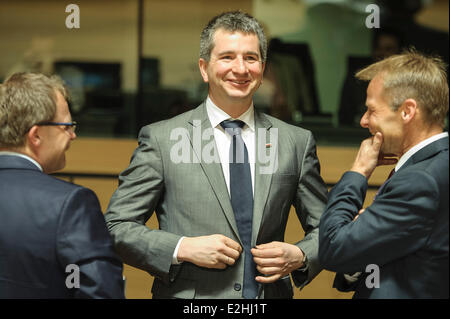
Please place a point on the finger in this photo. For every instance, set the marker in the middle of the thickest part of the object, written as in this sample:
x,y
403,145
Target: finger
x,y
268,270
219,266
268,279
227,260
267,262
230,252
272,244
377,141
232,244
267,253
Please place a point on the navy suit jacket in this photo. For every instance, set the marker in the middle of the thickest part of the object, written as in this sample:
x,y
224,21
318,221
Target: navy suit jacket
x,y
404,231
46,225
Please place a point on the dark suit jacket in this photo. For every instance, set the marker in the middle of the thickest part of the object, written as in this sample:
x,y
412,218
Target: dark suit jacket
x,y
46,225
404,231
191,199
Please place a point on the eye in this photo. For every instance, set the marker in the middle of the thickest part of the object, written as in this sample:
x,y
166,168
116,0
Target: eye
x,y
226,58
251,58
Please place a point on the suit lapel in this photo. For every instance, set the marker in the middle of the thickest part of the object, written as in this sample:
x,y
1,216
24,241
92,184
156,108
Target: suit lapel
x,y
263,179
198,123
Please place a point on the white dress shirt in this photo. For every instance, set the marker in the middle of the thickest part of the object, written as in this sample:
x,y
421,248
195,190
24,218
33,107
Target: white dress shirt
x,y
223,142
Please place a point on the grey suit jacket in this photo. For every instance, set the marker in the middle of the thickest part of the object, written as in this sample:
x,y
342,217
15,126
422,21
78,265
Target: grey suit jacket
x,y
191,198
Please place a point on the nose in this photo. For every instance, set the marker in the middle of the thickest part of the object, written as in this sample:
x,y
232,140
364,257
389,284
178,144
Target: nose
x,y
364,121
239,65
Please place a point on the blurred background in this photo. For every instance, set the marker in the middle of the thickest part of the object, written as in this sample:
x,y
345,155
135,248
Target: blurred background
x,y
134,62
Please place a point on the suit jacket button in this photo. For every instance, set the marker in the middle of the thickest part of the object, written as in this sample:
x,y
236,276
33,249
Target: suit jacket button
x,y
237,287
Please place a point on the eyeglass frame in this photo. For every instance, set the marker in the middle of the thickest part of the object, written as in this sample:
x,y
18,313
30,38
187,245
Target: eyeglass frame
x,y
73,124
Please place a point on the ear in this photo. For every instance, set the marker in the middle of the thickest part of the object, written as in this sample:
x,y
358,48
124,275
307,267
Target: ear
x,y
203,66
409,110
263,67
33,138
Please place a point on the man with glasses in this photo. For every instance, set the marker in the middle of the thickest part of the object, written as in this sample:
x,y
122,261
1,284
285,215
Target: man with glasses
x,y
53,238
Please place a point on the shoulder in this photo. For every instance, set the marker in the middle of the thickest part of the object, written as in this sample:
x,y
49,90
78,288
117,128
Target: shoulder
x,y
165,126
51,186
285,129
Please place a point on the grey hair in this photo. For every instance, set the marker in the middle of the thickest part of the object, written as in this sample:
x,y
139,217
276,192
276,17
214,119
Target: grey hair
x,y
231,21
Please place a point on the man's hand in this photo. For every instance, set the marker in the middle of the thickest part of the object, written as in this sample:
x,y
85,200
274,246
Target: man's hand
x,y
214,251
276,260
369,156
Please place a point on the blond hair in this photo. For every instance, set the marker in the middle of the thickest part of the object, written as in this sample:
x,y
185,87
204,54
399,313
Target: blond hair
x,y
26,99
416,76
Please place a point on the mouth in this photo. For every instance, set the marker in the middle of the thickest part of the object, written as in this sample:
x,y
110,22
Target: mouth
x,y
239,82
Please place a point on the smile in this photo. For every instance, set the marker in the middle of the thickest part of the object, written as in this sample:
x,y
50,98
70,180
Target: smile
x,y
239,82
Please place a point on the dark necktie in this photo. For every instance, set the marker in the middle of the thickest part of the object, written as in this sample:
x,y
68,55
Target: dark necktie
x,y
242,201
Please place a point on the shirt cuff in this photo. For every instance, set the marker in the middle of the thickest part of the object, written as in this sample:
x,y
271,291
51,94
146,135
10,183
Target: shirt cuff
x,y
305,263
175,253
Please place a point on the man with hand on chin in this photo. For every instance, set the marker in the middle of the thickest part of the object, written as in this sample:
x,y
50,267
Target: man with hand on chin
x,y
404,232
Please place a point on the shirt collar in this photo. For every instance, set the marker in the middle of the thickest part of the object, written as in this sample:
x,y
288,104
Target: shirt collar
x,y
413,150
23,156
216,115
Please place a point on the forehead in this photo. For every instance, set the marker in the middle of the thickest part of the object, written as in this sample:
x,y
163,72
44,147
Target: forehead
x,y
376,95
62,108
225,40
376,86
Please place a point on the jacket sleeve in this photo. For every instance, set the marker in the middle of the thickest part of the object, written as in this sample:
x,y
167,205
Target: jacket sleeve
x,y
141,186
397,223
310,201
83,242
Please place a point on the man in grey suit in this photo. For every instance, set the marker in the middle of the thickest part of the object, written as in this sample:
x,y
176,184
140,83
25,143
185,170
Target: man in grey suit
x,y
398,246
221,221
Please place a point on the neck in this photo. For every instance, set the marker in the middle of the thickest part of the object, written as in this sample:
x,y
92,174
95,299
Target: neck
x,y
417,135
233,108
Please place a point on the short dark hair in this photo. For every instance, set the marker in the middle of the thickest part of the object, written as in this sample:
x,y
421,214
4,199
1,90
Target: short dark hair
x,y
231,21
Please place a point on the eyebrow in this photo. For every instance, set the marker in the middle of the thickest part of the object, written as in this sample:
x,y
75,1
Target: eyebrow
x,y
233,52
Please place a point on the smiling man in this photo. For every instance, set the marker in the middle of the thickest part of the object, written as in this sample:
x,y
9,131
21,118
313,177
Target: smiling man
x,y
222,223
53,238
404,232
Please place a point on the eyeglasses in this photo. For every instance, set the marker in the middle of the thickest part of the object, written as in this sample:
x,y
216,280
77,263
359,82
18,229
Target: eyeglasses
x,y
70,125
